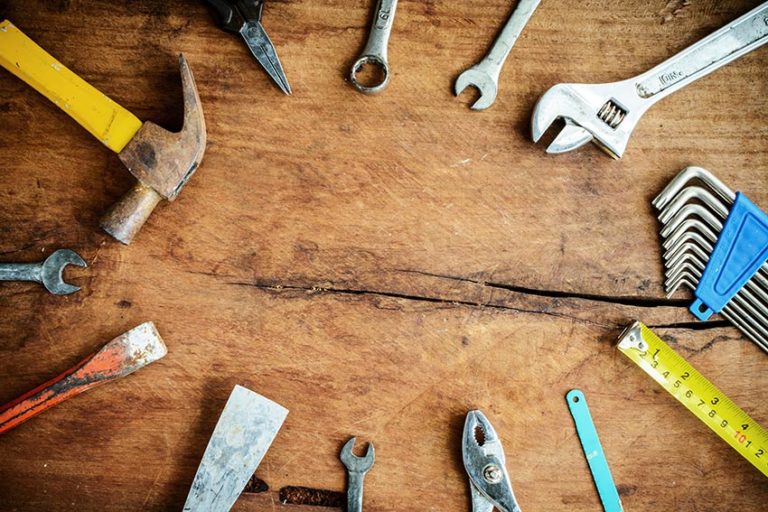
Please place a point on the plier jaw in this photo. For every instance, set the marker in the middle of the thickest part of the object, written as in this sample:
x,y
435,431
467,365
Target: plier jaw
x,y
484,463
243,17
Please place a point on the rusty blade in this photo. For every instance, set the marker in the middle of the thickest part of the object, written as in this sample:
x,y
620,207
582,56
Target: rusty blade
x,y
122,356
243,434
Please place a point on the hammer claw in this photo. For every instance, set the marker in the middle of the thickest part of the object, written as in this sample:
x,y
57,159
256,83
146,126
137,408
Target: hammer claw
x,y
162,161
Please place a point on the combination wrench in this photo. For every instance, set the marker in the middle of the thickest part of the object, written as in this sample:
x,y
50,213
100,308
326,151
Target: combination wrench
x,y
375,51
484,76
49,272
607,113
357,467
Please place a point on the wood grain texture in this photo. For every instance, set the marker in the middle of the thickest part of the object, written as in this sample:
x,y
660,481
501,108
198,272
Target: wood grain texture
x,y
378,265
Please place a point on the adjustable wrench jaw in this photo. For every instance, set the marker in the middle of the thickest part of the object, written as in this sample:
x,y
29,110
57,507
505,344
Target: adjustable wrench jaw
x,y
591,114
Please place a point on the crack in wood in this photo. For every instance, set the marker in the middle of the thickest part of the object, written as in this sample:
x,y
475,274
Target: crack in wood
x,y
394,295
643,302
701,326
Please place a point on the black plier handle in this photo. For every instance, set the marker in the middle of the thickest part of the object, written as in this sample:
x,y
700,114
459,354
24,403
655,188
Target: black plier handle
x,y
233,15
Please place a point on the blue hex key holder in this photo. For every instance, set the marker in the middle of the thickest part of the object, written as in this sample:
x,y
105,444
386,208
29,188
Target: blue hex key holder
x,y
741,249
715,242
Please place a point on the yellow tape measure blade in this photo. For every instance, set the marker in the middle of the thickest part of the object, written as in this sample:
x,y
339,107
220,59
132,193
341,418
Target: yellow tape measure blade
x,y
696,393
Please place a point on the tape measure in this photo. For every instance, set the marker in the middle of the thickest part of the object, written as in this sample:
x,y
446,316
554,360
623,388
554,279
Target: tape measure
x,y
696,393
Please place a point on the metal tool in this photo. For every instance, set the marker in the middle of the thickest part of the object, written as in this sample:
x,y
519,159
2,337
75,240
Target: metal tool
x,y
710,405
484,76
245,430
161,161
485,465
607,113
122,356
357,467
593,451
50,272
694,210
243,17
375,51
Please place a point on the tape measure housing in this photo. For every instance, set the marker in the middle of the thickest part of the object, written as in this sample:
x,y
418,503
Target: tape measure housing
x,y
696,393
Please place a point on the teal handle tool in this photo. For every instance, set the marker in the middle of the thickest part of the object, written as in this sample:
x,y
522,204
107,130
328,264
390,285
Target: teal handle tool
x,y
593,451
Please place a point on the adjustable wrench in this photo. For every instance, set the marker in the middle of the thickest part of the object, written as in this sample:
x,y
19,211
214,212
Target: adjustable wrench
x,y
607,113
48,272
357,467
375,51
484,76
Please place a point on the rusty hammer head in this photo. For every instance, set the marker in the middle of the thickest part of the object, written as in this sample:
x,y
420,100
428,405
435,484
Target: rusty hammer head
x,y
161,161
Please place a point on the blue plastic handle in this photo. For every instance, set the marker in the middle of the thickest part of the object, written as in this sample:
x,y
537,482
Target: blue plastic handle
x,y
741,250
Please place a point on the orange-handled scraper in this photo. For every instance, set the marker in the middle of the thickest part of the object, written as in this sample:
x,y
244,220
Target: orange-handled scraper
x,y
120,357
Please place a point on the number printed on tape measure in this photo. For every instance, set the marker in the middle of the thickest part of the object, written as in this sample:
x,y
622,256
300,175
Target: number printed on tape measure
x,y
696,393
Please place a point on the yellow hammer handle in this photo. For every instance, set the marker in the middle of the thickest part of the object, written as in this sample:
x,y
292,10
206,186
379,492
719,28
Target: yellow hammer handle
x,y
106,120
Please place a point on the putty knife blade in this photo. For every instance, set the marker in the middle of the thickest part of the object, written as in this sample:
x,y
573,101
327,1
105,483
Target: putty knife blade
x,y
243,434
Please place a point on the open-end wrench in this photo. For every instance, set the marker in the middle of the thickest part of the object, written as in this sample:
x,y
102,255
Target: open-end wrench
x,y
48,272
607,113
357,467
484,76
375,51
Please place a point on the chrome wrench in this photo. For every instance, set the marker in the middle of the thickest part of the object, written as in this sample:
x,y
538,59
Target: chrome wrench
x,y
49,273
607,113
375,51
484,76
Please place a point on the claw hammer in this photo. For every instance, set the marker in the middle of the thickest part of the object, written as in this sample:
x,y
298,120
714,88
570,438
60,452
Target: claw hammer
x,y
161,161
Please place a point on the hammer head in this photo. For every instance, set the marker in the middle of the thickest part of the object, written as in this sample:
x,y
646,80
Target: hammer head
x,y
161,161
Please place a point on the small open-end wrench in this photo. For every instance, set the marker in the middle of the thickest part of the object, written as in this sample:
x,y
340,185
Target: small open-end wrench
x,y
484,76
357,467
48,272
607,113
375,51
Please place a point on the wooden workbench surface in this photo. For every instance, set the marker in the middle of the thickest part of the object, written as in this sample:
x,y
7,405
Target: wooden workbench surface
x,y
378,265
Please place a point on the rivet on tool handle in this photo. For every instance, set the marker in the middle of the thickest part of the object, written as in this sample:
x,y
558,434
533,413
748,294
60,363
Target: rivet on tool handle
x,y
593,451
122,356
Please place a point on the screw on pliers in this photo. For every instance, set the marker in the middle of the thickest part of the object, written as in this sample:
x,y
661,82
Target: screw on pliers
x,y
485,464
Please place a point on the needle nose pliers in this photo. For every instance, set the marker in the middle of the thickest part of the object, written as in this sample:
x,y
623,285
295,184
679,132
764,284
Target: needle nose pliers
x,y
244,17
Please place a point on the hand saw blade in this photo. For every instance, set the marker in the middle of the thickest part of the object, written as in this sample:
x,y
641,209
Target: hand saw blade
x,y
243,434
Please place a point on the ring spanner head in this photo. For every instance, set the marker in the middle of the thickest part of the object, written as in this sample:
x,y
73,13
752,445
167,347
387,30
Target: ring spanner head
x,y
52,274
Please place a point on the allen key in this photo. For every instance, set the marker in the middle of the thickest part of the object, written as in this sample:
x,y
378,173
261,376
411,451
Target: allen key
x,y
715,242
